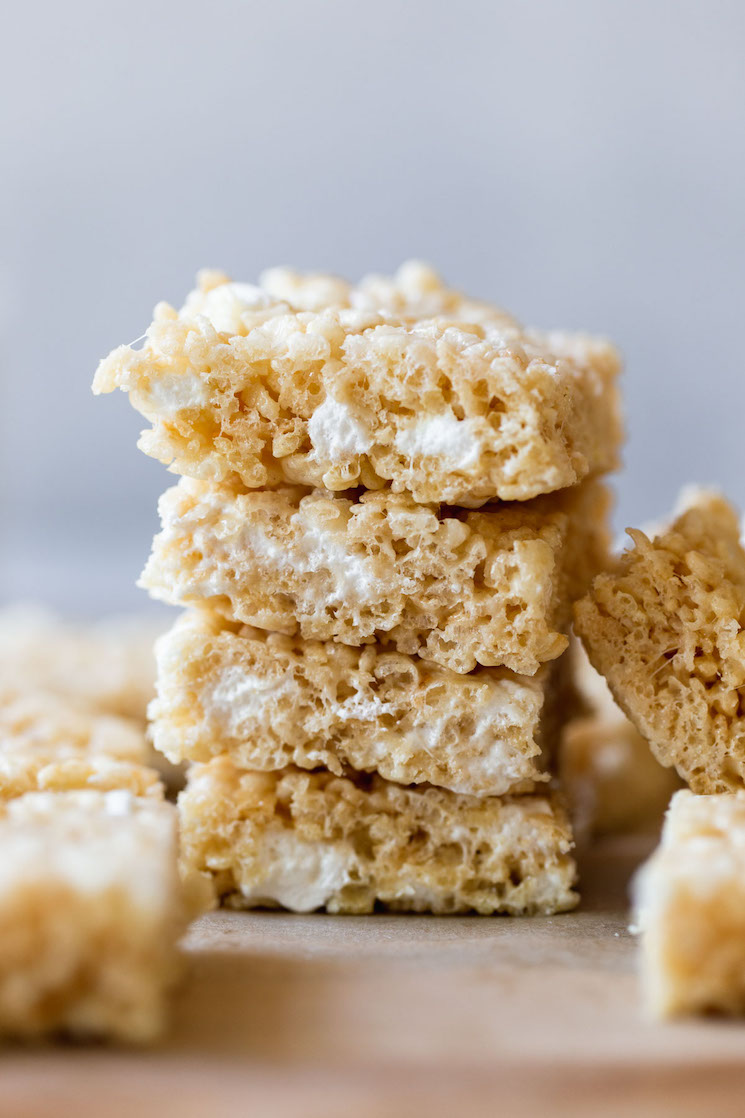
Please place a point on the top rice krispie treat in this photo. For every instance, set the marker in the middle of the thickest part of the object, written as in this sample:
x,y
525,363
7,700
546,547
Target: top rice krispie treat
x,y
308,379
666,628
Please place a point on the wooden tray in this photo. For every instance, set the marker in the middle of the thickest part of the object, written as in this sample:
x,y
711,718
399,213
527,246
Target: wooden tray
x,y
401,1015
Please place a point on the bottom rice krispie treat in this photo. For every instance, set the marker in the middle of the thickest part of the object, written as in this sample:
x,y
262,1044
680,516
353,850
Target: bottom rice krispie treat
x,y
305,841
666,628
91,908
690,908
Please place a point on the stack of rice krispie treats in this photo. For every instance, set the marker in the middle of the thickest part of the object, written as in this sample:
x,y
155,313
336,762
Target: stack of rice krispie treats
x,y
389,501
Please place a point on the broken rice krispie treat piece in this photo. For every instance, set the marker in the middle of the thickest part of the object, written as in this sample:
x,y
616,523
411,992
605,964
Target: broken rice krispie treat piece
x,y
690,902
107,665
304,841
311,380
666,628
607,772
270,700
91,908
490,587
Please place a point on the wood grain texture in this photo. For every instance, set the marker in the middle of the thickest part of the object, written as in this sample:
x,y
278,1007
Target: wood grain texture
x,y
320,1015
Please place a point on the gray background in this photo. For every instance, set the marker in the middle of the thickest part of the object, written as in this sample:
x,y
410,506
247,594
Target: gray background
x,y
582,163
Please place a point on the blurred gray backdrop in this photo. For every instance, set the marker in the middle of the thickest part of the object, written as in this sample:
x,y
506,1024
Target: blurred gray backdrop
x,y
581,163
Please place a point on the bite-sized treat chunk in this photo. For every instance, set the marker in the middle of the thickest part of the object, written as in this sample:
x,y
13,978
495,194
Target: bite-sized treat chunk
x,y
608,774
91,908
269,700
690,908
47,742
490,587
666,627
311,380
107,666
305,841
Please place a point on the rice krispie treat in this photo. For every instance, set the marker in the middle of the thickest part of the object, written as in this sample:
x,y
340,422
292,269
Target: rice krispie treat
x,y
690,908
20,774
50,742
489,587
311,380
607,772
107,665
91,908
40,724
666,627
305,841
269,700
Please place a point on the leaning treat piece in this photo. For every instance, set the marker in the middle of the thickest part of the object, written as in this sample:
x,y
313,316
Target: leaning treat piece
x,y
612,782
491,587
690,900
666,629
270,700
91,908
310,380
313,840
